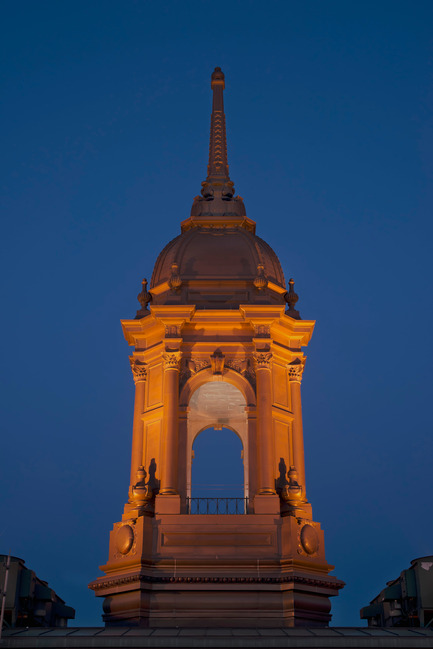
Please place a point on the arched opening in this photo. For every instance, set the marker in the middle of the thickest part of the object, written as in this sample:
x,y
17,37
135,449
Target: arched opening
x,y
217,442
217,465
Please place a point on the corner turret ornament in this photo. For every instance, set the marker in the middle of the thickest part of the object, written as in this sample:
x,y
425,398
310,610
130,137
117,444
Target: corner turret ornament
x,y
292,492
144,297
291,298
141,495
141,492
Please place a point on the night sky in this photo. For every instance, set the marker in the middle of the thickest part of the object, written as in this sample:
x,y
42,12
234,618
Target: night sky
x,y
105,141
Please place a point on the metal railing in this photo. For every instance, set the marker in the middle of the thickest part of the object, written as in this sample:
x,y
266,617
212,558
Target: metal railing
x,y
213,506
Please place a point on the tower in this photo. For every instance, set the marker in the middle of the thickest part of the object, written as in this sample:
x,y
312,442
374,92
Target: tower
x,y
214,329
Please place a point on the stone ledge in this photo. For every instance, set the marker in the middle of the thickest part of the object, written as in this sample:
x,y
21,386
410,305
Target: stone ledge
x,y
135,637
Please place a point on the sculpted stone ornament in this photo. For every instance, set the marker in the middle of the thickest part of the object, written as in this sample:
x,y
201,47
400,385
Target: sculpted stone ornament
x,y
138,368
295,370
262,331
172,331
292,492
141,494
260,281
228,191
124,539
217,363
308,539
172,360
144,297
206,191
262,360
291,298
175,281
191,366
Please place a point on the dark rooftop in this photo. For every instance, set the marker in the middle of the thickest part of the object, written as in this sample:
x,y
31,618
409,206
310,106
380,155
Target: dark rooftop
x,y
131,637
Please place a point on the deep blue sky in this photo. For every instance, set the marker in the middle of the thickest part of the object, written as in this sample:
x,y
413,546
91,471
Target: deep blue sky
x,y
105,141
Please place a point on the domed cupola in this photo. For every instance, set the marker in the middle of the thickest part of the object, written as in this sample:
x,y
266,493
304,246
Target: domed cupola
x,y
217,261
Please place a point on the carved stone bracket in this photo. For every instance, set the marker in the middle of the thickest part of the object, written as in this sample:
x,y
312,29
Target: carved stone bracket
x,y
262,360
172,360
191,366
262,331
217,362
172,331
244,367
296,369
139,371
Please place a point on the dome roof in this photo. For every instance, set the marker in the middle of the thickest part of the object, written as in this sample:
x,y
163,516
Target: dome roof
x,y
220,263
217,261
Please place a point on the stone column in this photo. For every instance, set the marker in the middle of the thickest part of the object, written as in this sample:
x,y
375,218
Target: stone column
x,y
139,373
265,451
171,423
295,378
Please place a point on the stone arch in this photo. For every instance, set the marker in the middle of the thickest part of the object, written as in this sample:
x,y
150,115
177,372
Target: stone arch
x,y
206,375
205,427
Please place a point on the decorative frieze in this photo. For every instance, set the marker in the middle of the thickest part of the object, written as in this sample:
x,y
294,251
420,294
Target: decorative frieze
x,y
139,371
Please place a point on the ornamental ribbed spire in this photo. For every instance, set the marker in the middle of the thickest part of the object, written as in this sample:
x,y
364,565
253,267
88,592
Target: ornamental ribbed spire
x,y
218,207
218,168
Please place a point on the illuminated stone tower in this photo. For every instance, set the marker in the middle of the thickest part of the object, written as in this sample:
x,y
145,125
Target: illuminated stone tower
x,y
215,345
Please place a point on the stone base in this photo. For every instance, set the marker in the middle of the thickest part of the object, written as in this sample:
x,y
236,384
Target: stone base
x,y
167,504
244,571
224,604
267,504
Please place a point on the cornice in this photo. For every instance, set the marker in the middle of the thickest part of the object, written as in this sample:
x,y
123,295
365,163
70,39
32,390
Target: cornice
x,y
111,582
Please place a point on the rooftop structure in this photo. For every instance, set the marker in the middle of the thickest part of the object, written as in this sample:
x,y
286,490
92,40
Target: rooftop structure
x,y
215,346
407,600
29,600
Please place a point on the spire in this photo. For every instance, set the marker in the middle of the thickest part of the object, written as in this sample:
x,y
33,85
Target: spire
x,y
218,206
218,168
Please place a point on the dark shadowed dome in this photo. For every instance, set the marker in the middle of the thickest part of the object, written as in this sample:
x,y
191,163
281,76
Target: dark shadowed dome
x,y
233,262
218,253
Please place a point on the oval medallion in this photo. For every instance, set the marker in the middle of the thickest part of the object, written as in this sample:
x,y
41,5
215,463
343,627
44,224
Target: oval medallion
x,y
124,539
309,539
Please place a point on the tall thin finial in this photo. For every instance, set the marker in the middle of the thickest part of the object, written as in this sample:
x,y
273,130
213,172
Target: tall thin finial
x,y
217,205
218,168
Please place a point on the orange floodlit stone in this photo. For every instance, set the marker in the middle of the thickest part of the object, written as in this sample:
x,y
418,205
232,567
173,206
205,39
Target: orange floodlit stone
x,y
217,343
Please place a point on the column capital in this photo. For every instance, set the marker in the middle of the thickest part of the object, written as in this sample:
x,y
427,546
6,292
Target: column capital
x,y
296,369
262,360
139,371
172,360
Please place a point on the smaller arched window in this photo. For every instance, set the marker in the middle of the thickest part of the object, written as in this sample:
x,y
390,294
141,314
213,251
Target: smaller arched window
x,y
217,442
